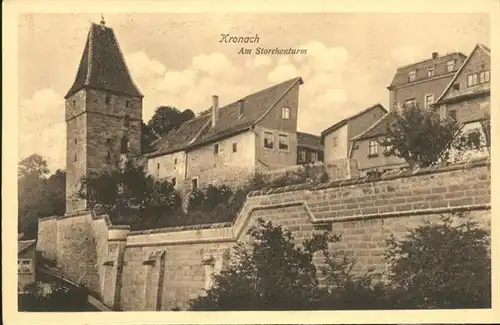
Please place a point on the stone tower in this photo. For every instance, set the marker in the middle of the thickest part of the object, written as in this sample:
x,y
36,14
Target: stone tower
x,y
103,113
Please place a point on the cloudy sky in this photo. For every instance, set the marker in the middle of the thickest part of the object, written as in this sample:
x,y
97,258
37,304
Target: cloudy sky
x,y
176,59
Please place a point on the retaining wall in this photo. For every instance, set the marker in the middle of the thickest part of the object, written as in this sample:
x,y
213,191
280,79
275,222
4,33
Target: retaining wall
x,y
162,269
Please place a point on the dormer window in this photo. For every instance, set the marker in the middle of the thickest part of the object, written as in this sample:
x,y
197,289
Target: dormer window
x,y
285,114
450,65
412,75
430,72
241,107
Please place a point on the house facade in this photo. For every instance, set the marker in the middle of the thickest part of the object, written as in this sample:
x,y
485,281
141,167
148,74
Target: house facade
x,y
418,84
255,133
422,82
309,148
466,99
25,263
337,139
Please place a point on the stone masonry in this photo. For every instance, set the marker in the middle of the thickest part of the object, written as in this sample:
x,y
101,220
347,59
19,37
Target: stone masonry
x,y
161,269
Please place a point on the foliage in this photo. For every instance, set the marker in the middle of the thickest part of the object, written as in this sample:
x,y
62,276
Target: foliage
x,y
33,166
168,118
443,265
419,136
38,196
58,298
271,272
147,138
130,195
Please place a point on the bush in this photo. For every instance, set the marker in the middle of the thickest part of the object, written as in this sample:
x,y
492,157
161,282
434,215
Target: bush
x,y
442,265
59,298
276,274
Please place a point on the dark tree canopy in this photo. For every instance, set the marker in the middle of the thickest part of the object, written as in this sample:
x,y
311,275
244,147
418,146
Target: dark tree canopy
x,y
419,136
38,196
167,118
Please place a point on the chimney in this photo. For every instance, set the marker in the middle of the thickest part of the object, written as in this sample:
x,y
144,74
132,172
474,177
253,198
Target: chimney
x,y
215,109
435,55
241,106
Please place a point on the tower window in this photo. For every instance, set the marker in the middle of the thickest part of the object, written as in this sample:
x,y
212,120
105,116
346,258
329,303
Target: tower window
x,y
108,157
127,103
125,144
126,121
108,98
76,141
75,156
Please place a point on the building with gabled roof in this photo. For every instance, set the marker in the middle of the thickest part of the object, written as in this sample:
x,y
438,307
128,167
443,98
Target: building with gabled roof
x,y
337,138
257,132
26,258
309,148
467,100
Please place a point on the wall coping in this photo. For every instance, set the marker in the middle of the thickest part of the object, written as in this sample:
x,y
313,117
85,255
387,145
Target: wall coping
x,y
181,228
474,163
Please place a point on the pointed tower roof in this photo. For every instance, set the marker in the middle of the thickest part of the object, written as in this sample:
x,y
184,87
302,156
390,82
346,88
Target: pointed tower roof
x,y
102,65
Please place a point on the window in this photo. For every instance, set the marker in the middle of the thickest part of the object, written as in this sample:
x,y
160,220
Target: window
x,y
268,140
108,141
194,183
158,166
429,99
386,149
75,156
302,155
484,76
472,80
283,142
74,103
334,142
125,145
173,181
285,114
216,149
450,65
410,102
430,72
235,147
314,156
76,141
126,121
127,104
108,157
373,148
452,114
456,86
412,75
108,98
24,266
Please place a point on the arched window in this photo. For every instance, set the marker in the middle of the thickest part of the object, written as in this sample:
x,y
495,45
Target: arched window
x,y
125,144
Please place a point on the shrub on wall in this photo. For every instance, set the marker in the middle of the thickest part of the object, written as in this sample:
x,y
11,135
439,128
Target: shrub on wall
x,y
274,273
444,265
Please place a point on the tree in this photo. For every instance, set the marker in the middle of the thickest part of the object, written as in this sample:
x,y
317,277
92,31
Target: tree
x,y
418,136
167,118
38,196
273,273
147,138
33,165
131,195
444,265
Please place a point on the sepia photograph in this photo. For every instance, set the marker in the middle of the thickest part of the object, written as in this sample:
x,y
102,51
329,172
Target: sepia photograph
x,y
253,161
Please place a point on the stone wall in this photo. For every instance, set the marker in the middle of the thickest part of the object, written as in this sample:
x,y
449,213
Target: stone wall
x,y
162,269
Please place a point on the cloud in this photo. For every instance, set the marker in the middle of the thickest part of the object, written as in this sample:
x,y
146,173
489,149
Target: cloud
x,y
258,61
405,55
42,128
325,86
141,66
